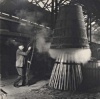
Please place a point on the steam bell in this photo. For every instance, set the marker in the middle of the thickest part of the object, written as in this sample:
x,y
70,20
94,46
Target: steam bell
x,y
70,31
70,48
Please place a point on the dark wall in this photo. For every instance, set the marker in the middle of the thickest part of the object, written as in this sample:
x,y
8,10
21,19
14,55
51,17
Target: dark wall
x,y
41,65
8,55
94,48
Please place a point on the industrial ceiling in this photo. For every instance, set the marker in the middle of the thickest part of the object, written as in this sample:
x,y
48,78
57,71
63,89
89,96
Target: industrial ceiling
x,y
10,6
51,7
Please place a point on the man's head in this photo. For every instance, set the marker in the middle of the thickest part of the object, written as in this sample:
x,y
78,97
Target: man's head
x,y
21,47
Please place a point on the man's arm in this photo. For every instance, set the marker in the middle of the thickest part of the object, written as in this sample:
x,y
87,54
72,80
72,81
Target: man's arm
x,y
24,53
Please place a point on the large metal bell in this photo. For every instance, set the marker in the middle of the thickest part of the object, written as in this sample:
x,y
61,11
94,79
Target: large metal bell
x,y
70,30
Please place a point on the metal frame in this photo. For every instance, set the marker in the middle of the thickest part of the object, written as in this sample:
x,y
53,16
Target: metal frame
x,y
52,6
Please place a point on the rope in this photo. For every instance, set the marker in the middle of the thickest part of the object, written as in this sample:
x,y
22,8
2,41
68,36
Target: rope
x,y
28,67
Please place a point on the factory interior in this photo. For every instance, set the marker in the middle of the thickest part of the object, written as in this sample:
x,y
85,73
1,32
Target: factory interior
x,y
65,46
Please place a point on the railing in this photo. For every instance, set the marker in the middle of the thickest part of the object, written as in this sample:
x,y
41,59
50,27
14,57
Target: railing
x,y
91,73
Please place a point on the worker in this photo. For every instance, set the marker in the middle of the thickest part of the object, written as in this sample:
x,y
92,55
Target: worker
x,y
20,64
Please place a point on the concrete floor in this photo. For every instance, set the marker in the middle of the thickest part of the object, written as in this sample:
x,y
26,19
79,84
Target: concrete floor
x,y
7,86
40,90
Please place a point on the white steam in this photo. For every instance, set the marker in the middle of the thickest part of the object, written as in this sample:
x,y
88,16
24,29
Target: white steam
x,y
76,55
41,43
31,16
28,18
39,34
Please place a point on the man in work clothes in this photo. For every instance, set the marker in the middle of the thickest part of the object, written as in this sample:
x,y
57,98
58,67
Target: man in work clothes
x,y
20,65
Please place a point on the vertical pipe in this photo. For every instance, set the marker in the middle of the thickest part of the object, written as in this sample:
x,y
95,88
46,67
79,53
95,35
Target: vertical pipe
x,y
90,29
52,15
56,9
87,27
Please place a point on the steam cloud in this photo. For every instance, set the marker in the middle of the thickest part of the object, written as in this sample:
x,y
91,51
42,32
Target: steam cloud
x,y
40,34
41,43
76,55
30,16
